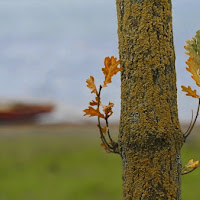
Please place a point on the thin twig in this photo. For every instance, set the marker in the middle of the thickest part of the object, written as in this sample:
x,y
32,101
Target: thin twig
x,y
114,144
103,139
99,123
108,131
188,133
184,173
189,124
113,148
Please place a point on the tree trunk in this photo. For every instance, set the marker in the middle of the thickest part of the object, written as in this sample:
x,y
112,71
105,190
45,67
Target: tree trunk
x,y
150,138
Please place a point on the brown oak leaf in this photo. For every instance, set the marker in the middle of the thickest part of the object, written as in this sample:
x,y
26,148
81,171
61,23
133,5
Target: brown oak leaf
x,y
194,69
110,69
93,112
93,103
91,85
108,109
190,92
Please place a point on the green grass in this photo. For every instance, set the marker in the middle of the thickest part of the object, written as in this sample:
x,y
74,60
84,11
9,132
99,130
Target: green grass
x,y
57,164
68,164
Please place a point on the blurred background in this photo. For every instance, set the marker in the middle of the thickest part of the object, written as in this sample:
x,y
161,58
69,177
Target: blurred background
x,y
48,150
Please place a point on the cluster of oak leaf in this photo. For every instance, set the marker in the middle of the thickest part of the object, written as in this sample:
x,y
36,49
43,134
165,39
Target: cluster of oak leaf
x,y
193,62
111,68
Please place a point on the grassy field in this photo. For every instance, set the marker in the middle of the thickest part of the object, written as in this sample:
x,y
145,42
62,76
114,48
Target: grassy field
x,y
67,163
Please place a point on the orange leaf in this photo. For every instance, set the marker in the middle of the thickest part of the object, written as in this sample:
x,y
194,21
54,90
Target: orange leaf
x,y
110,69
192,163
93,112
194,69
189,91
108,109
93,103
91,84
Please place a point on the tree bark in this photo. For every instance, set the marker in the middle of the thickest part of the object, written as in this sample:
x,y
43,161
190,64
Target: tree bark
x,y
150,137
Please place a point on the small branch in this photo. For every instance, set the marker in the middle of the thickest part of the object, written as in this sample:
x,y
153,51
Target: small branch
x,y
111,68
192,126
184,173
114,144
108,132
113,148
99,122
189,124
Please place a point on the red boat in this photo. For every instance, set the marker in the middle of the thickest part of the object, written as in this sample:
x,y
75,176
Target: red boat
x,y
21,111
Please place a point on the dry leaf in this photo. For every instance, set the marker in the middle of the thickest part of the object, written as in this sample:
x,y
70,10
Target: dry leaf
x,y
193,50
91,84
108,109
93,112
110,69
189,91
193,68
93,103
192,164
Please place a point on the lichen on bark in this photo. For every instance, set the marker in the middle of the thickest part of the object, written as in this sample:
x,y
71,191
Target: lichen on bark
x,y
150,138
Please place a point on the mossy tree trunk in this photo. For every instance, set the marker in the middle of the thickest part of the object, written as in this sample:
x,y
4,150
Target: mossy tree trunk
x,y
150,138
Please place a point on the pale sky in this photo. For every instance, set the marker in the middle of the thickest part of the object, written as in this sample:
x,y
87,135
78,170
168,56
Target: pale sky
x,y
49,48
